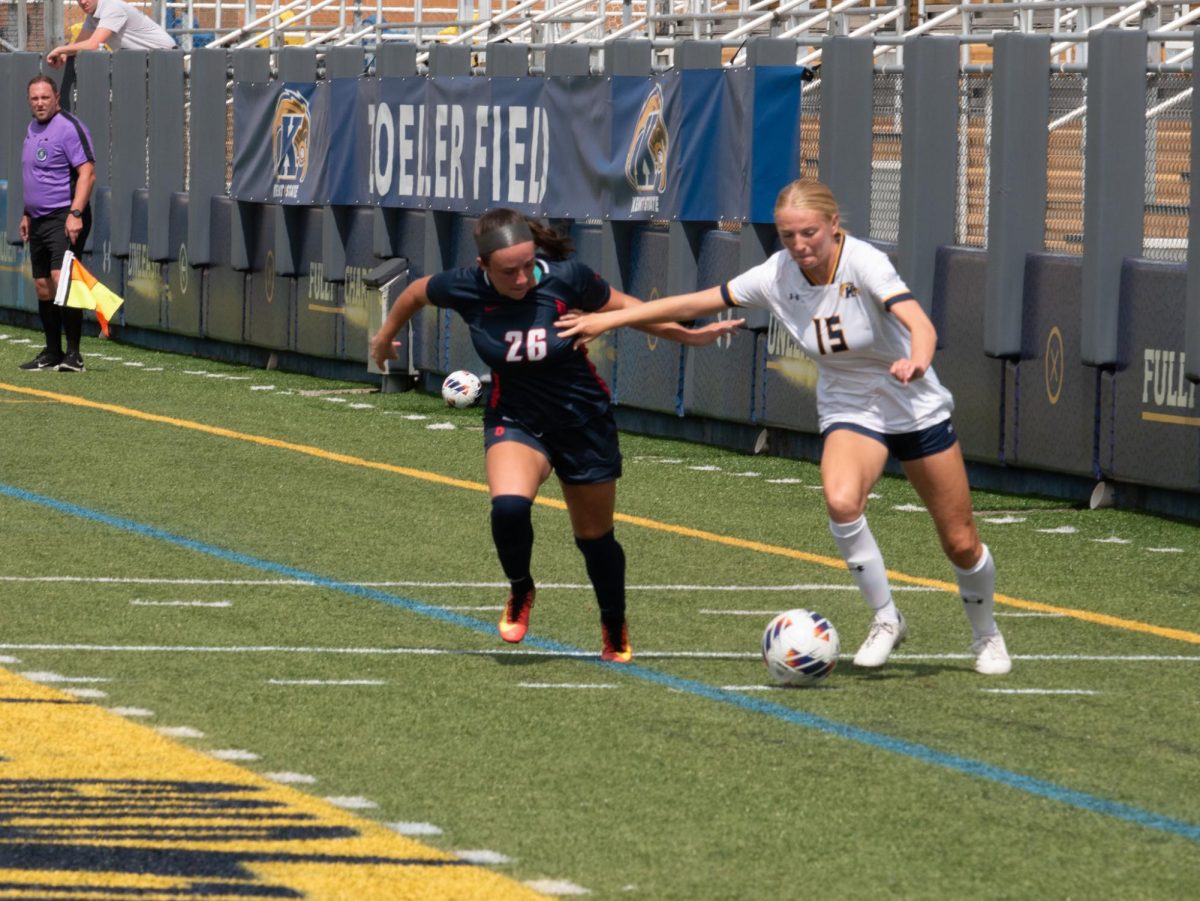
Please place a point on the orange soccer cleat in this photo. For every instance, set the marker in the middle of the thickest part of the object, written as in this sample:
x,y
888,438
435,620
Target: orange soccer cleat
x,y
515,621
616,653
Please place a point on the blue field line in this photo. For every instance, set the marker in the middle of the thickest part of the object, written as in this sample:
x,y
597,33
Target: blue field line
x,y
952,762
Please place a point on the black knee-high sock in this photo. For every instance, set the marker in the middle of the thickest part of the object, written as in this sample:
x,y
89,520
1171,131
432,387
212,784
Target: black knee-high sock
x,y
72,323
512,532
51,324
605,562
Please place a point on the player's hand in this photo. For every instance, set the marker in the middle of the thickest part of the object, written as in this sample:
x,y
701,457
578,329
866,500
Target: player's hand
x,y
384,351
906,370
713,332
583,327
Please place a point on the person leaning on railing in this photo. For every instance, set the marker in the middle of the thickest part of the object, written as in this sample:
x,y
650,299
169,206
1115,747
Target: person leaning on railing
x,y
117,24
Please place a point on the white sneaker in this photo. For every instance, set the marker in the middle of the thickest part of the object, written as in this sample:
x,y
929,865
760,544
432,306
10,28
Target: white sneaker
x,y
882,639
991,655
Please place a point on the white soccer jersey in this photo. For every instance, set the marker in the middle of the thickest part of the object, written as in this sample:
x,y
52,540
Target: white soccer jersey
x,y
845,326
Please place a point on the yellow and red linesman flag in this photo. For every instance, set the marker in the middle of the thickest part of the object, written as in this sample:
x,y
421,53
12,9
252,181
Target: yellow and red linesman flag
x,y
79,288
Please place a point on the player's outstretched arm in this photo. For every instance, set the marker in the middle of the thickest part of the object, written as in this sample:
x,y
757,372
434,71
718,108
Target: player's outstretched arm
x,y
623,309
383,344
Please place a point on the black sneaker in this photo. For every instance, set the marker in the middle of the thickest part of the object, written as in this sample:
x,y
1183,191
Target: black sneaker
x,y
72,362
47,359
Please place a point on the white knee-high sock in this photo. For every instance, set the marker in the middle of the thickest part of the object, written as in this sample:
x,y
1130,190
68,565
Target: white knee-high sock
x,y
865,562
977,586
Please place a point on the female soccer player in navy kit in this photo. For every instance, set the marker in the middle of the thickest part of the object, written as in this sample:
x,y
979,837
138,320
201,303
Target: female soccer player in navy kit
x,y
548,408
877,394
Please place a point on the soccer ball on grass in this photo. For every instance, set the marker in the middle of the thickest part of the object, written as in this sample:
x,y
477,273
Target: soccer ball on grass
x,y
800,647
461,388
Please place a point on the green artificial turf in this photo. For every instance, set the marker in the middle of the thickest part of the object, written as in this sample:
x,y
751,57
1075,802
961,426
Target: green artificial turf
x,y
685,776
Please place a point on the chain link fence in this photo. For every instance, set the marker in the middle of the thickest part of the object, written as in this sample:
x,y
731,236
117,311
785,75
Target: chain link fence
x,y
1168,166
810,127
887,95
1064,165
974,137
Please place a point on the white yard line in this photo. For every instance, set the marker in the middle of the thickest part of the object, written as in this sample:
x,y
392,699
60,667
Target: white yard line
x,y
179,732
1039,691
326,682
56,678
352,802
416,583
483,857
289,778
138,602
565,685
413,828
131,711
516,652
233,754
556,887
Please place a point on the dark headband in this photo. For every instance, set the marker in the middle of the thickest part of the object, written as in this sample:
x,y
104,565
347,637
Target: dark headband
x,y
505,236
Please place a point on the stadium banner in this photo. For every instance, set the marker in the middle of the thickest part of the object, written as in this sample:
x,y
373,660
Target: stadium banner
x,y
692,144
775,136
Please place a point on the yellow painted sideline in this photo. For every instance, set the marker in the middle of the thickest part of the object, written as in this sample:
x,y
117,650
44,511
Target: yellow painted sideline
x,y
1102,619
95,803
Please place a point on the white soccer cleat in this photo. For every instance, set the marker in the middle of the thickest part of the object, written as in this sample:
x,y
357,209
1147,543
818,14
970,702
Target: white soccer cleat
x,y
991,655
882,639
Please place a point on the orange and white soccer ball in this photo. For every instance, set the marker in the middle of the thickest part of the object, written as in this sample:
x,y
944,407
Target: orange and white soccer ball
x,y
461,388
800,647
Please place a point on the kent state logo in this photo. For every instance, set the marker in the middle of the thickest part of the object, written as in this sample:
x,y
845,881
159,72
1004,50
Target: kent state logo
x,y
291,127
1055,365
649,148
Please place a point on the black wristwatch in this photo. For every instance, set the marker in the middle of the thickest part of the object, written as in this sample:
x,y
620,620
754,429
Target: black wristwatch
x,y
76,213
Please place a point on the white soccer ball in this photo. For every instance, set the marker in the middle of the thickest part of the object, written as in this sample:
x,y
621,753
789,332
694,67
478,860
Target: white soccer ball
x,y
800,647
461,388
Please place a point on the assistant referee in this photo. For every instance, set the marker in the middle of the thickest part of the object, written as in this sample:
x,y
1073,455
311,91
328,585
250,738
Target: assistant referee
x,y
59,171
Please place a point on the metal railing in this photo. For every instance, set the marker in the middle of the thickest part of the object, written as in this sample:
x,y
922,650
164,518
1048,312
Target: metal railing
x,y
542,23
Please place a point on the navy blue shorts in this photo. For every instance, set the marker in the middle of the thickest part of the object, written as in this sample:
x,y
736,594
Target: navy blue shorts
x,y
907,445
586,454
48,241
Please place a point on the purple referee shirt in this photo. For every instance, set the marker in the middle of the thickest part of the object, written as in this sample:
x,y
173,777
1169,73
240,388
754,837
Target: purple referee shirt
x,y
52,152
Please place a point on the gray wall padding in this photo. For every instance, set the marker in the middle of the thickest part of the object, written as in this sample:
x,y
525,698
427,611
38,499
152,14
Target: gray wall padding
x,y
1148,429
165,151
129,141
975,380
648,368
1052,396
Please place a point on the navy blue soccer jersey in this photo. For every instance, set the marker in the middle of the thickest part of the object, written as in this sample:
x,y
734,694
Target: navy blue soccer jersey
x,y
538,378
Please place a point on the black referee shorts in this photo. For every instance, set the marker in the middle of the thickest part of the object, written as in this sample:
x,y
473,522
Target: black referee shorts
x,y
48,241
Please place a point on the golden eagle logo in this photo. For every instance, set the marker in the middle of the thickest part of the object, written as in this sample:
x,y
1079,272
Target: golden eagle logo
x,y
290,130
646,161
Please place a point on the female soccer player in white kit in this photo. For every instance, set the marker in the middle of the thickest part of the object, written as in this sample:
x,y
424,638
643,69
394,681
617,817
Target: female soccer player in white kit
x,y
877,394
